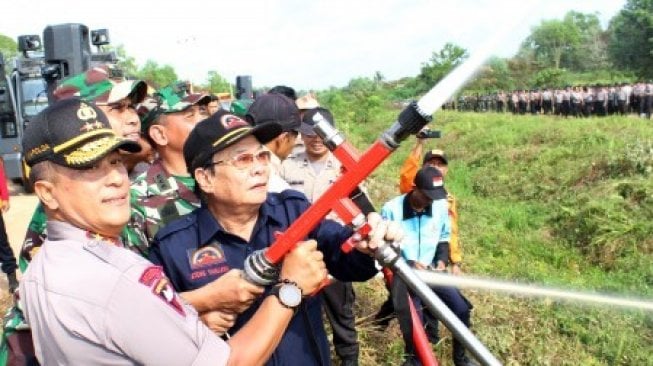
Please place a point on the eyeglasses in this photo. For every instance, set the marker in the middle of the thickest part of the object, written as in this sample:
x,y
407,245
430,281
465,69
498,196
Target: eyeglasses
x,y
245,160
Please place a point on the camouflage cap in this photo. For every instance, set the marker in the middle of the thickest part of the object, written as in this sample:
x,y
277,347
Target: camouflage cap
x,y
96,85
239,107
173,98
72,133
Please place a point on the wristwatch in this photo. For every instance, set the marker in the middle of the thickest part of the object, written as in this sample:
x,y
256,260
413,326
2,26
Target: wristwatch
x,y
289,294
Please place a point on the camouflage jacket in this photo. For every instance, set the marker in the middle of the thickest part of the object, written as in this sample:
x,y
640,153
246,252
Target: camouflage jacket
x,y
157,198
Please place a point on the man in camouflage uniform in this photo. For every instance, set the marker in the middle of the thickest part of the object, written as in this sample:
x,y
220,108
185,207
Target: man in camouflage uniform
x,y
165,191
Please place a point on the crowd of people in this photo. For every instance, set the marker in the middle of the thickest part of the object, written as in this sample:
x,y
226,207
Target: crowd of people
x,y
576,101
150,204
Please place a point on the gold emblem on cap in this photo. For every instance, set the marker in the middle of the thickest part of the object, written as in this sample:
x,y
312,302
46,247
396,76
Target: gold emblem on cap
x,y
85,112
89,126
88,114
37,151
90,151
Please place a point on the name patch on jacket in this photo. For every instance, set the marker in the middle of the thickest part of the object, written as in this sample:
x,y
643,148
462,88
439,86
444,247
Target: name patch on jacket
x,y
207,260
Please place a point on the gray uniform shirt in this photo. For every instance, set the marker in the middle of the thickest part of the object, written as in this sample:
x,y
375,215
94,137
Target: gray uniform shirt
x,y
300,175
91,302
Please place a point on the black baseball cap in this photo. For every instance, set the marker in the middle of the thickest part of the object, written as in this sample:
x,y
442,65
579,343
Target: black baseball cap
x,y
220,131
429,181
434,154
311,117
72,133
274,108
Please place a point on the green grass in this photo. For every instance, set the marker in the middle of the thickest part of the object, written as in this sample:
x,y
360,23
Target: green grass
x,y
560,202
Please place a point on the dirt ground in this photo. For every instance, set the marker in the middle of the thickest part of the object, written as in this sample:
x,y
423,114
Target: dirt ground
x,y
16,220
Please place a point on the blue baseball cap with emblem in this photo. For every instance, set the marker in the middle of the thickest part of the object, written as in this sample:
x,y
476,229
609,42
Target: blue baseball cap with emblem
x,y
429,181
220,131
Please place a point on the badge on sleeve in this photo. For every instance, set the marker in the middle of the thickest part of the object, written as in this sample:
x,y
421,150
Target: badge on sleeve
x,y
154,278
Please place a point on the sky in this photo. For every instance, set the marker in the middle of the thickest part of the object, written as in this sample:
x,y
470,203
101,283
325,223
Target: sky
x,y
309,45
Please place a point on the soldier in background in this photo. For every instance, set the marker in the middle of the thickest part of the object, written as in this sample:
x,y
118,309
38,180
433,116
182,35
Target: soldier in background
x,y
601,102
547,101
576,101
622,99
501,101
514,102
522,95
612,103
588,101
648,99
559,97
164,191
535,99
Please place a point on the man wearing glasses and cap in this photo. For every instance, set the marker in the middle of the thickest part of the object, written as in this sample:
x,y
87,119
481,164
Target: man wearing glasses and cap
x,y
89,300
231,164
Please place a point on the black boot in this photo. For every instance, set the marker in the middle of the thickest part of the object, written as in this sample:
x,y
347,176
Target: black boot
x,y
459,357
12,282
349,361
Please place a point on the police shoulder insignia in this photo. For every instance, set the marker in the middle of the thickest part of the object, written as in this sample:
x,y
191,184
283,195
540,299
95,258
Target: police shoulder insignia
x,y
154,278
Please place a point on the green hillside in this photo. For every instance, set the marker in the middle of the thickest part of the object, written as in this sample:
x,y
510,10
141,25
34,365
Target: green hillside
x,y
560,202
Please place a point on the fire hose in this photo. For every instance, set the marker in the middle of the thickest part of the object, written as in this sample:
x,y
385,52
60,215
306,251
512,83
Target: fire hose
x,y
261,266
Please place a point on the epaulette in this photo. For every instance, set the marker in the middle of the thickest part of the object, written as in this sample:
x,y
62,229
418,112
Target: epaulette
x,y
182,223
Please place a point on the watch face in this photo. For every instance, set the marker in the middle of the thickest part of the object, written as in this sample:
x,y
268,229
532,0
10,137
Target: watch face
x,y
290,295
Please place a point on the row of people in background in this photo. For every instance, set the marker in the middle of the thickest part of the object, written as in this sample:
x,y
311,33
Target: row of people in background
x,y
576,101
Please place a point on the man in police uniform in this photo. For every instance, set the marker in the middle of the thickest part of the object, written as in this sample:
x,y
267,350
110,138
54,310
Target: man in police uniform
x,y
90,301
312,172
118,100
230,163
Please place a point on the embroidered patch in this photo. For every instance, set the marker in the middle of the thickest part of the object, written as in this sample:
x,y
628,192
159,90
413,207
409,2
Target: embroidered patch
x,y
230,121
154,278
206,256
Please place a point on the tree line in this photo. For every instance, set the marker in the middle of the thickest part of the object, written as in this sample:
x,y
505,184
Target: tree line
x,y
574,50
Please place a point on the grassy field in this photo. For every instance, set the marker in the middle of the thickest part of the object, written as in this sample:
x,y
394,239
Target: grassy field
x,y
559,202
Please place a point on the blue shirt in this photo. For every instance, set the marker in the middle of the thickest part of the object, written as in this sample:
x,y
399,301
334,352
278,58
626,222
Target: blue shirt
x,y
422,230
195,250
